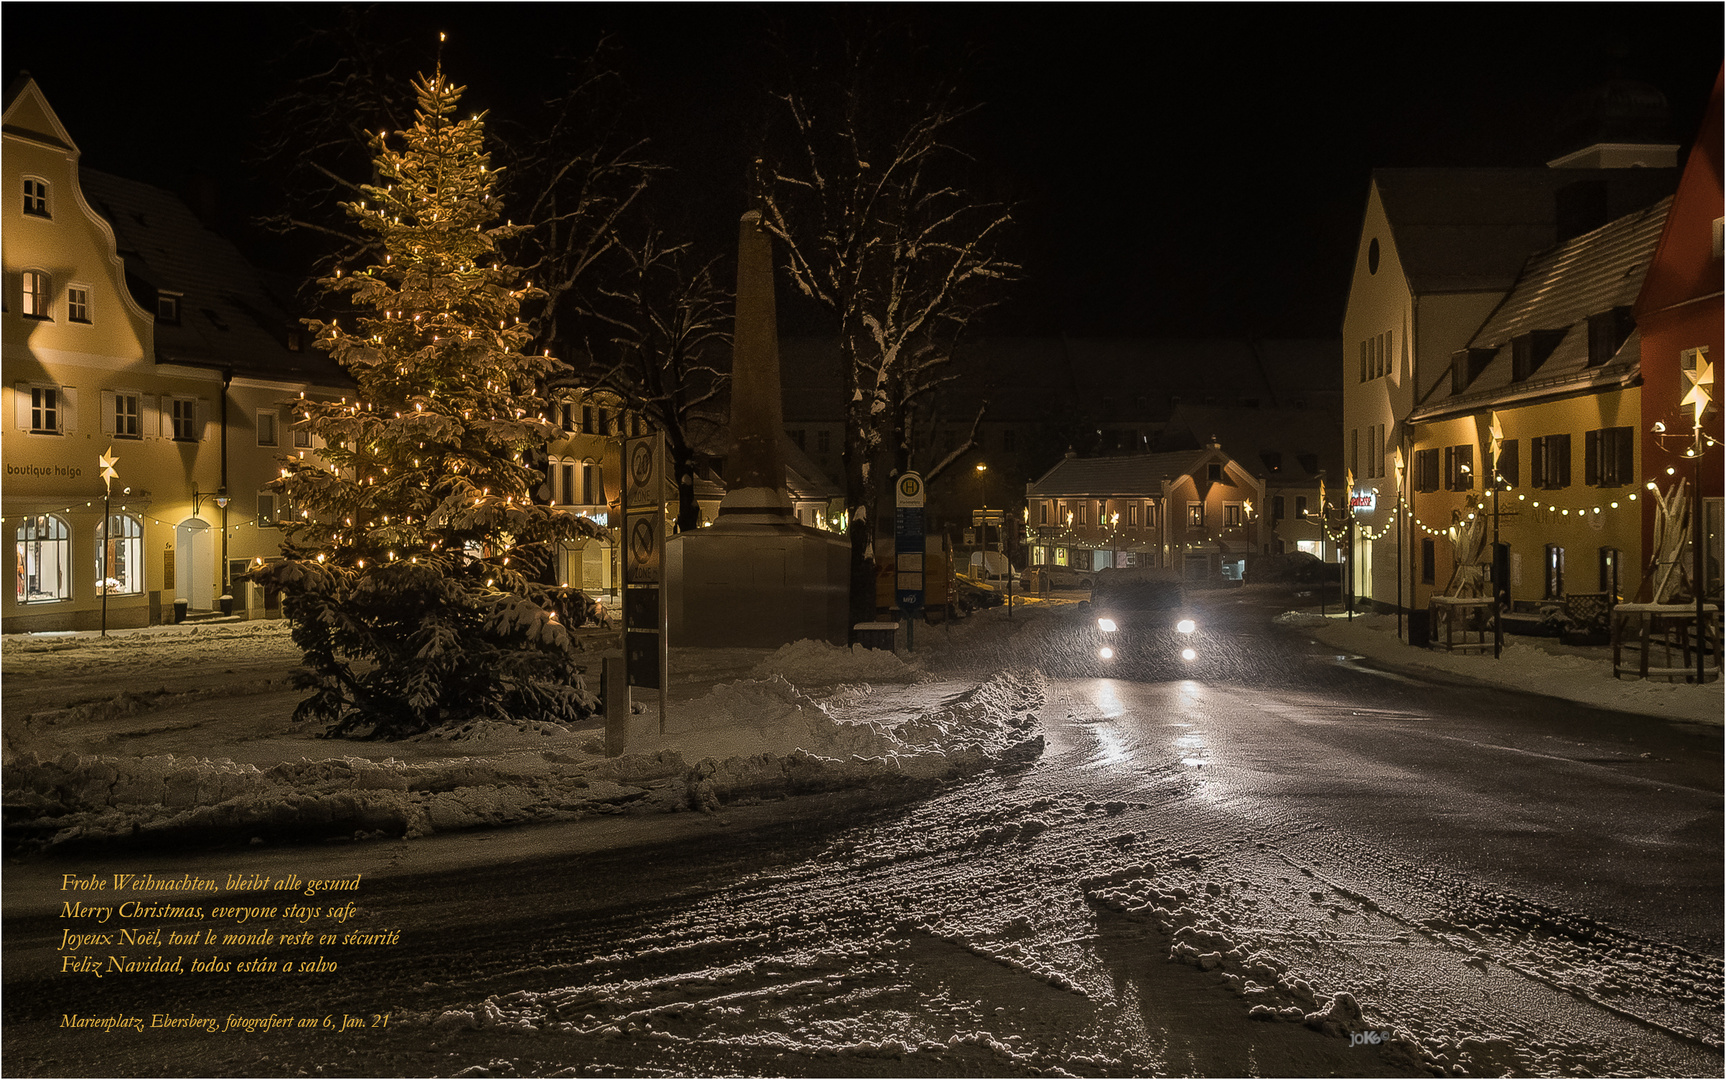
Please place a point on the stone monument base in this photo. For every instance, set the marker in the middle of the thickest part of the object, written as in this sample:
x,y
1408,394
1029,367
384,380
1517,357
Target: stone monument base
x,y
757,585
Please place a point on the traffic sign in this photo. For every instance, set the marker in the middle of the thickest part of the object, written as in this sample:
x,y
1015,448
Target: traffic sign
x,y
910,490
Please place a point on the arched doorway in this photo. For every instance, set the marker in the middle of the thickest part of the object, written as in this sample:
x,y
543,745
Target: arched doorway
x,y
194,565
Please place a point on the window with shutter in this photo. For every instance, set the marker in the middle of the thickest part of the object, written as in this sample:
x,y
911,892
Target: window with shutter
x,y
1509,464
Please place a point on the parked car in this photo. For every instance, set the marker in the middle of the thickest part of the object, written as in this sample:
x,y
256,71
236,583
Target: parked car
x,y
1299,567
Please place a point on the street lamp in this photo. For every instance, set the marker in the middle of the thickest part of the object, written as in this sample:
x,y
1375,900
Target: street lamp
x,y
109,475
1496,430
1398,465
983,494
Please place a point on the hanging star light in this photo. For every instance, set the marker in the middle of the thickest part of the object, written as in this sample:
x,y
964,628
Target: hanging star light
x,y
1701,379
109,474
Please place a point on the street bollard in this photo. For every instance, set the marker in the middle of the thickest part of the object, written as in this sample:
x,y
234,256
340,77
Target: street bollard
x,y
615,679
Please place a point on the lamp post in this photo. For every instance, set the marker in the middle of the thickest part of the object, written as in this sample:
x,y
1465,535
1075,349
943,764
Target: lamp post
x,y
1397,464
983,529
1699,375
1498,587
109,475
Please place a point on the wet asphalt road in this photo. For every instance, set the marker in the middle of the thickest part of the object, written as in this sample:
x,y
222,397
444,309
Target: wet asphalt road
x,y
1517,884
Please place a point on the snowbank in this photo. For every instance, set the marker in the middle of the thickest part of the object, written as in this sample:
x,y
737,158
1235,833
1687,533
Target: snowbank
x,y
755,738
1532,665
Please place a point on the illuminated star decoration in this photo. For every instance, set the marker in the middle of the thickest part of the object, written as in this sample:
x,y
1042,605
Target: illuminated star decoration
x,y
1701,381
109,475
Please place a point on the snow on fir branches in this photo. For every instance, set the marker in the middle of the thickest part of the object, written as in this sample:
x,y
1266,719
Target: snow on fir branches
x,y
415,551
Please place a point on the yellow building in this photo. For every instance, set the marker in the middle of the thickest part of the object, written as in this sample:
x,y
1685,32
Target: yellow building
x,y
1553,377
584,474
129,326
1438,252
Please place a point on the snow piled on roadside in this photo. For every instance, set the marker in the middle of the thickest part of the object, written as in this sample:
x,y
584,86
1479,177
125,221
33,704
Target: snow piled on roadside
x,y
818,663
1532,665
750,739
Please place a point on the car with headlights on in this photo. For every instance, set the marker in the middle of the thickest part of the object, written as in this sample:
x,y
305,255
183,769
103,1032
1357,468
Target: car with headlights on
x,y
1141,624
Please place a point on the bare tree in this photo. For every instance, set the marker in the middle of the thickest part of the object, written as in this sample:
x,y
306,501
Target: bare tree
x,y
665,321
879,228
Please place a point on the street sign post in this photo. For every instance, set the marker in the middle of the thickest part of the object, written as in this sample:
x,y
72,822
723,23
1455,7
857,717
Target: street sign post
x,y
909,583
641,534
982,519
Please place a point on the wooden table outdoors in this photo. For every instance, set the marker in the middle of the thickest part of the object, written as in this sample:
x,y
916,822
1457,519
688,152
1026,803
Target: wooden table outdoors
x,y
1455,618
1666,630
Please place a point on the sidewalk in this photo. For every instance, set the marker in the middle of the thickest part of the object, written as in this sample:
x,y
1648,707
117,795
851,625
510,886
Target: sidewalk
x,y
1535,665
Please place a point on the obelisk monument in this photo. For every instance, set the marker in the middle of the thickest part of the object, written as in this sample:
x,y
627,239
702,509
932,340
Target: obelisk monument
x,y
756,577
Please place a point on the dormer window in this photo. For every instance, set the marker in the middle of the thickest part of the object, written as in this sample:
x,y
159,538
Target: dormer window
x,y
1466,366
1607,332
36,196
1529,351
168,308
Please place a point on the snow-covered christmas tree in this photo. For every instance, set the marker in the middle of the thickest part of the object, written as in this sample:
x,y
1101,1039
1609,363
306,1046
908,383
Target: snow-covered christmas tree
x,y
415,547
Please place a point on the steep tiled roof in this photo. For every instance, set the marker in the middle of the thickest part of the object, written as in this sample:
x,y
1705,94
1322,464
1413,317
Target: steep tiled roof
x,y
228,318
1104,476
1557,291
1462,230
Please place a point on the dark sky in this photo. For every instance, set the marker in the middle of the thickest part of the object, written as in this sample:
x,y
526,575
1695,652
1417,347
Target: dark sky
x,y
1181,169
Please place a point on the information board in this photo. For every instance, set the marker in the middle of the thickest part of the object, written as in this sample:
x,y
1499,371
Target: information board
x,y
909,582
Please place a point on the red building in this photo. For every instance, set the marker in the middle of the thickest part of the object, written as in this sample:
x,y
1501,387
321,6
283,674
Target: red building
x,y
1679,314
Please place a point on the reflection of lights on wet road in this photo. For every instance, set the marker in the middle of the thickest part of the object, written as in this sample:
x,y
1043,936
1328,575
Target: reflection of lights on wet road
x,y
1107,697
1192,747
1111,747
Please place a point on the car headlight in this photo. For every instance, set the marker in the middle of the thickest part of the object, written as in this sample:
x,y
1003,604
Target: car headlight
x,y
1188,654
1186,626
1106,653
1107,625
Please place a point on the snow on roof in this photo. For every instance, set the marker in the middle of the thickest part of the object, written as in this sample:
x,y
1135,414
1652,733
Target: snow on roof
x,y
1108,476
228,317
1557,291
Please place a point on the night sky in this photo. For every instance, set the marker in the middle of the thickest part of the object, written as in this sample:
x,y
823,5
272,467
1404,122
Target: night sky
x,y
1181,170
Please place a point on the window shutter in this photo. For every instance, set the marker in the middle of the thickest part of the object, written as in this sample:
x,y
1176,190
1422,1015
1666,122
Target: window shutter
x,y
150,415
1626,456
68,409
1591,459
21,405
1509,465
1564,461
107,412
203,421
1537,462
